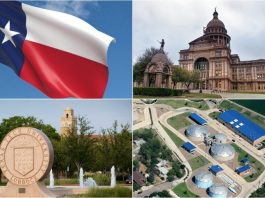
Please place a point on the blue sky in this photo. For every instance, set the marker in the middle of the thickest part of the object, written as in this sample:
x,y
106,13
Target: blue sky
x,y
112,18
101,113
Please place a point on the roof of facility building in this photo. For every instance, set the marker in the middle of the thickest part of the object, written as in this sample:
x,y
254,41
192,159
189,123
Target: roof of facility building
x,y
245,160
242,169
216,168
198,119
243,125
188,146
197,131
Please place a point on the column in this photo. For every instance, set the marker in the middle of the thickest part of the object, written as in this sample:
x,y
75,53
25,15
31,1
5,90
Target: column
x,y
158,83
146,80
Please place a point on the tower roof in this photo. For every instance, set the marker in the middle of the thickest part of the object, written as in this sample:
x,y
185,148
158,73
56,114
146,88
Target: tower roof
x,y
160,57
68,109
215,23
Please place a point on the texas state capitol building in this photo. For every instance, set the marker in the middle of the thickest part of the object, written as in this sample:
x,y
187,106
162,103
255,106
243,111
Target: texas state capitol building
x,y
219,69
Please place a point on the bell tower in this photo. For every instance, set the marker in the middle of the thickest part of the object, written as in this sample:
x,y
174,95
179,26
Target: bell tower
x,y
68,122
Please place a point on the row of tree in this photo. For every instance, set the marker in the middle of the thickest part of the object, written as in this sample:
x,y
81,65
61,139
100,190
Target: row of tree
x,y
73,151
179,74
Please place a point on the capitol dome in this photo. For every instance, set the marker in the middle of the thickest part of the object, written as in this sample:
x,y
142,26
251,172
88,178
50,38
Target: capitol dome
x,y
222,152
218,191
203,179
197,132
215,25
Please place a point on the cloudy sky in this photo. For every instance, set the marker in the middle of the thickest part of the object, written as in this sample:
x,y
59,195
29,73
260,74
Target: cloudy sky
x,y
180,22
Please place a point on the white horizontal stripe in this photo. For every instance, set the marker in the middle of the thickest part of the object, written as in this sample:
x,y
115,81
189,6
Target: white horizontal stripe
x,y
66,32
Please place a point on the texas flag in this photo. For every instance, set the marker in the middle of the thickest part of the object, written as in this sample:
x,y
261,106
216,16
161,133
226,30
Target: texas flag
x,y
59,54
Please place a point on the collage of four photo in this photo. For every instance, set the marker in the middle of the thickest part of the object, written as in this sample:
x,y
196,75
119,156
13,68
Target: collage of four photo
x,y
132,98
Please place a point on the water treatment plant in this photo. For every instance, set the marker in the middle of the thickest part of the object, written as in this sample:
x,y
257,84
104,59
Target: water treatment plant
x,y
219,142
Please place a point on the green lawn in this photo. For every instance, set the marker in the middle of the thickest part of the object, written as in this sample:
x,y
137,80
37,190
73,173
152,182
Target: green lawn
x,y
107,192
181,190
214,115
198,162
179,121
226,105
185,95
202,105
60,182
178,142
252,161
200,95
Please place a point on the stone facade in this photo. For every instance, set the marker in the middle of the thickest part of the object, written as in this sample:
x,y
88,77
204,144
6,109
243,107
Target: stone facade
x,y
158,72
68,122
219,69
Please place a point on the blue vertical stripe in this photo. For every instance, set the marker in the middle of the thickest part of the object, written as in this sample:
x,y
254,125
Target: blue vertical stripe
x,y
10,55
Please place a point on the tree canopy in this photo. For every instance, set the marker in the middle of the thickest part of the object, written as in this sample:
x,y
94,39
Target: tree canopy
x,y
184,76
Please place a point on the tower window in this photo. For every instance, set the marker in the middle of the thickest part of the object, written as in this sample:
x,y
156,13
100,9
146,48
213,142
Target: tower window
x,y
67,115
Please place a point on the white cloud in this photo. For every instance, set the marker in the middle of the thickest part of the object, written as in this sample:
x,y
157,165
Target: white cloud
x,y
76,8
180,22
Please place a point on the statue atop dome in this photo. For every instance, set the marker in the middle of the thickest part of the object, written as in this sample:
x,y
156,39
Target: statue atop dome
x,y
162,43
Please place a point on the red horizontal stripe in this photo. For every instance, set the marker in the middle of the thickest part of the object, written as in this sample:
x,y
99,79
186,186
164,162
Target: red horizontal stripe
x,y
60,74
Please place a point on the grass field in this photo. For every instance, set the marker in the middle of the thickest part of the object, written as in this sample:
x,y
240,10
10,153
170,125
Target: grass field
x,y
107,192
186,95
181,190
252,161
226,105
198,162
179,121
214,114
200,95
178,142
60,182
202,105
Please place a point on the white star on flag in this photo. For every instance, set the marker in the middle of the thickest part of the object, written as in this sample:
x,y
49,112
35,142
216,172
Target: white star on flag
x,y
8,34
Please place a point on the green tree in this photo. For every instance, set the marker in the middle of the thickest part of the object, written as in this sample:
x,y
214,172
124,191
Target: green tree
x,y
114,148
20,121
185,76
80,147
176,75
135,165
151,178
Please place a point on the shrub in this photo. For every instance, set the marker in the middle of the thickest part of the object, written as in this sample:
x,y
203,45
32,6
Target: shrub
x,y
147,91
102,179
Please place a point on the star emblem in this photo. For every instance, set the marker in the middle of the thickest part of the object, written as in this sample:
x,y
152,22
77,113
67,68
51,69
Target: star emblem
x,y
8,34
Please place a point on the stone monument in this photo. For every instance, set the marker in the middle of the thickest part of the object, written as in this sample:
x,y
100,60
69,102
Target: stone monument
x,y
26,158
158,72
